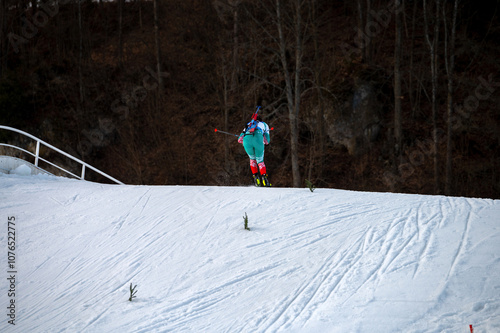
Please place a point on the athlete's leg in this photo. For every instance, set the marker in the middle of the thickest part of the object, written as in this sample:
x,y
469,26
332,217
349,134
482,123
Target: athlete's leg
x,y
254,166
258,146
262,168
248,145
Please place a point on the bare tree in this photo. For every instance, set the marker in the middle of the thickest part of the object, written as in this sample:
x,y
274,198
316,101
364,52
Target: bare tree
x,y
228,64
292,86
411,92
234,72
280,37
233,85
397,87
319,135
450,68
158,45
120,32
363,8
80,52
433,53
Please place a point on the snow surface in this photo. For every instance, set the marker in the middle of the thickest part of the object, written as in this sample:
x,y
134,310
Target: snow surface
x,y
327,261
22,170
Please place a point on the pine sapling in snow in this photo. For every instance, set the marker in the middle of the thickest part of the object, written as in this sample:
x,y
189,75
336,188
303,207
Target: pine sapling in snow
x,y
310,185
132,292
245,219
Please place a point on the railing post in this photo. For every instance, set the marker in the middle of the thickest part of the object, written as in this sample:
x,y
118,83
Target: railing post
x,y
37,152
83,171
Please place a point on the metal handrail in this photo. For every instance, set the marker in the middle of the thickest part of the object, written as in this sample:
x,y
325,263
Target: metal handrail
x,y
37,155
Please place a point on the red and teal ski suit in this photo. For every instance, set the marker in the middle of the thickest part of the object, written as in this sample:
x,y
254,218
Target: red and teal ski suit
x,y
253,142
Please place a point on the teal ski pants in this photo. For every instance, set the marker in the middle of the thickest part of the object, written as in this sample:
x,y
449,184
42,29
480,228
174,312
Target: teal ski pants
x,y
254,146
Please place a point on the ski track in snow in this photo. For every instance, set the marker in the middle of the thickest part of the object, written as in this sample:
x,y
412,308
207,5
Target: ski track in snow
x,y
326,261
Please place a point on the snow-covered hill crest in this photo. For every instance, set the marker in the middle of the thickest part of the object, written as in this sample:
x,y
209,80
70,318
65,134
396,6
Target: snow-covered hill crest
x,y
327,261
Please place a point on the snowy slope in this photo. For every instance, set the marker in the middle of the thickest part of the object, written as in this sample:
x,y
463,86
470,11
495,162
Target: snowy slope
x,y
328,261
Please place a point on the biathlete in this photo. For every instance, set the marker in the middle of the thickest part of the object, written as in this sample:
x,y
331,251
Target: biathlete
x,y
254,136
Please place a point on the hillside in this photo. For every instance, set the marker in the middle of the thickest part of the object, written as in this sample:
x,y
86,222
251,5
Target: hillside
x,y
94,91
327,261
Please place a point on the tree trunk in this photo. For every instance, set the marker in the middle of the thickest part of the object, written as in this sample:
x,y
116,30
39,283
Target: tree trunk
x,y
234,72
80,53
450,68
368,48
120,33
434,64
364,7
410,70
293,102
320,126
230,102
397,90
158,46
297,92
226,120
361,24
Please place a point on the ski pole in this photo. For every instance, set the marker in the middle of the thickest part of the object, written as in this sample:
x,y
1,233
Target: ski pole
x,y
219,131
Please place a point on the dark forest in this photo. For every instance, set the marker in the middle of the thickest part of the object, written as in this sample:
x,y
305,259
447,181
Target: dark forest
x,y
364,95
